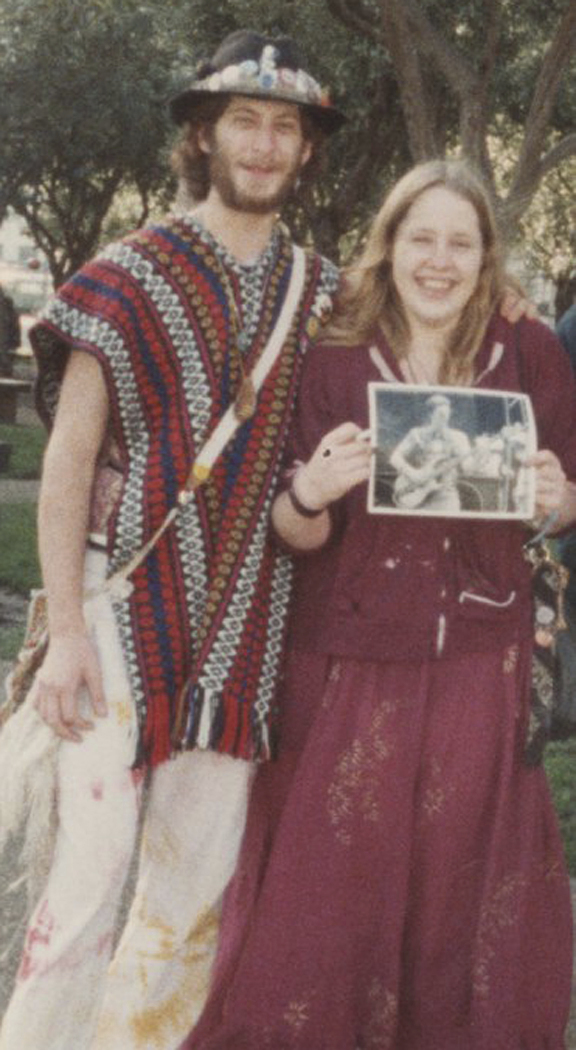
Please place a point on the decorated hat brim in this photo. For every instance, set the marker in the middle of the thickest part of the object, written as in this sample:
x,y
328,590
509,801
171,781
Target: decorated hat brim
x,y
328,117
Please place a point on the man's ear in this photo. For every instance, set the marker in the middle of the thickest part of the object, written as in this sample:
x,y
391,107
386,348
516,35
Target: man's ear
x,y
307,150
203,139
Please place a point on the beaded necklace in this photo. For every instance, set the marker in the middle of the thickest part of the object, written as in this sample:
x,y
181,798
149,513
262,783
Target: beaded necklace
x,y
245,286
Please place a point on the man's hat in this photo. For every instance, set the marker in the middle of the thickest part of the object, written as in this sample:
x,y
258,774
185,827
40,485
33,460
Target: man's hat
x,y
435,400
247,63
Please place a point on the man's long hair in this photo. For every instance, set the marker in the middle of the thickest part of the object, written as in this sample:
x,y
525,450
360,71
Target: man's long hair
x,y
369,299
191,164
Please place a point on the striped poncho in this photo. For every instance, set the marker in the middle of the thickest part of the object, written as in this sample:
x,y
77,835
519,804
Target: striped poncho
x,y
203,628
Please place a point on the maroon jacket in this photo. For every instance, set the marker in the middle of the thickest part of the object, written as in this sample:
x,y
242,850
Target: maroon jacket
x,y
388,587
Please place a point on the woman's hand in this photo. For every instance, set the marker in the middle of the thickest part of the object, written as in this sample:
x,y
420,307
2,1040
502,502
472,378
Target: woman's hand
x,y
340,462
552,488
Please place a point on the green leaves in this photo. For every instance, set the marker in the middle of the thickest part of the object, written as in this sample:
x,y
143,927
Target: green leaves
x,y
83,89
84,85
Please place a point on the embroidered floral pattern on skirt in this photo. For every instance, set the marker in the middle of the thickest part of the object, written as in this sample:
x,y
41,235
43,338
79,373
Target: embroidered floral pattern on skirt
x,y
402,862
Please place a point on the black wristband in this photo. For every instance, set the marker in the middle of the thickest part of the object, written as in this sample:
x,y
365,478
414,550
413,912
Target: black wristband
x,y
300,508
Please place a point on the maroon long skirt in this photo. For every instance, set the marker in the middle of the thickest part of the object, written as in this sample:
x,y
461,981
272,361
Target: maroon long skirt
x,y
402,883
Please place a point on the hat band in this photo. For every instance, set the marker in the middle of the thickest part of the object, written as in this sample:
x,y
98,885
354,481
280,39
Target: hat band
x,y
265,77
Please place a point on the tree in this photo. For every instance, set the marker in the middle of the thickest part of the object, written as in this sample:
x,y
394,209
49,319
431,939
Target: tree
x,y
83,87
420,78
455,67
549,234
417,78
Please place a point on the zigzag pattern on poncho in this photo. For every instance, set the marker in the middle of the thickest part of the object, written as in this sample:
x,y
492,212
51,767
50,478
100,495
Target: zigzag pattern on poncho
x,y
203,629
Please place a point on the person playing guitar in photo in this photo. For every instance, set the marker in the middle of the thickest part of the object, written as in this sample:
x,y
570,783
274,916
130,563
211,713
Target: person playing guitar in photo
x,y
428,461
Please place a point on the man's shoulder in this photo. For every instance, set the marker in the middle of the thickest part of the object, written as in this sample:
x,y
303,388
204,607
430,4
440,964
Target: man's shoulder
x,y
323,263
323,282
152,233
145,250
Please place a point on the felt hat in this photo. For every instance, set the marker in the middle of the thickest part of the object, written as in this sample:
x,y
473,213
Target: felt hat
x,y
248,63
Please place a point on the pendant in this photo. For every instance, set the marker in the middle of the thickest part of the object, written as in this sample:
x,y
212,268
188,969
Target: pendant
x,y
245,403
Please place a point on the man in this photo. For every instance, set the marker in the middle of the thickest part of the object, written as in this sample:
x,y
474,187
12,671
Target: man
x,y
139,356
428,460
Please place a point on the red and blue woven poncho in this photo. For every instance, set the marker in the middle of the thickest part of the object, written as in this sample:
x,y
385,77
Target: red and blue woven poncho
x,y
203,630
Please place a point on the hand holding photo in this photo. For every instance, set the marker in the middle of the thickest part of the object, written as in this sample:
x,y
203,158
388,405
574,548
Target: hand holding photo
x,y
451,452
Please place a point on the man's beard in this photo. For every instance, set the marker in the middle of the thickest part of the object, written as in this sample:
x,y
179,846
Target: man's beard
x,y
239,200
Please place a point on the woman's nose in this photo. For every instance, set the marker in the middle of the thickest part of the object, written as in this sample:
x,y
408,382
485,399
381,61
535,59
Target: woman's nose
x,y
441,255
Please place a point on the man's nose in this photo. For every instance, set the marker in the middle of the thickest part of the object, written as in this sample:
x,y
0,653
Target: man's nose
x,y
263,139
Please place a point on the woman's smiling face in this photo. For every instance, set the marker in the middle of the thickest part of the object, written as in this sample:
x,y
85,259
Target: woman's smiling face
x,y
437,258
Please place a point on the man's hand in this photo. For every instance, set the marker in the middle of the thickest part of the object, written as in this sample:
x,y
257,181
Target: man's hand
x,y
515,305
71,663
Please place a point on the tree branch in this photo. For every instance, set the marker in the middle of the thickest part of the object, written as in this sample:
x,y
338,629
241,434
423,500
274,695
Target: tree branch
x,y
355,16
47,242
412,35
144,205
559,152
560,51
531,165
470,85
368,164
458,73
493,27
406,61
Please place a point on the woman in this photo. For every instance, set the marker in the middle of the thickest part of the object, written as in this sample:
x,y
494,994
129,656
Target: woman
x,y
402,884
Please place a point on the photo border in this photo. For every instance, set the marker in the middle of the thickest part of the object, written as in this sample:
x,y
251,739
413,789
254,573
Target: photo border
x,y
392,405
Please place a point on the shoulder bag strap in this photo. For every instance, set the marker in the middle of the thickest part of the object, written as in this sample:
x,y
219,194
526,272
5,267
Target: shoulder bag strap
x,y
118,584
231,420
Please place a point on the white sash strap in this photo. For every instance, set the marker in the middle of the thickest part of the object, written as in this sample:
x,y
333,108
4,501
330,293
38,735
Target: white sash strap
x,y
118,584
229,423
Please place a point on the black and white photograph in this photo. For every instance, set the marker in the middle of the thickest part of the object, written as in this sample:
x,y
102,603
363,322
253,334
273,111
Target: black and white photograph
x,y
451,452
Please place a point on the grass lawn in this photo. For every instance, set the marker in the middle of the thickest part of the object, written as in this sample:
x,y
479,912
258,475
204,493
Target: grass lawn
x,y
561,768
19,568
11,638
27,449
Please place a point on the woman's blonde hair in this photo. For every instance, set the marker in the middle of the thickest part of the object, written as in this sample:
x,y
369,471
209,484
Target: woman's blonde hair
x,y
369,298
